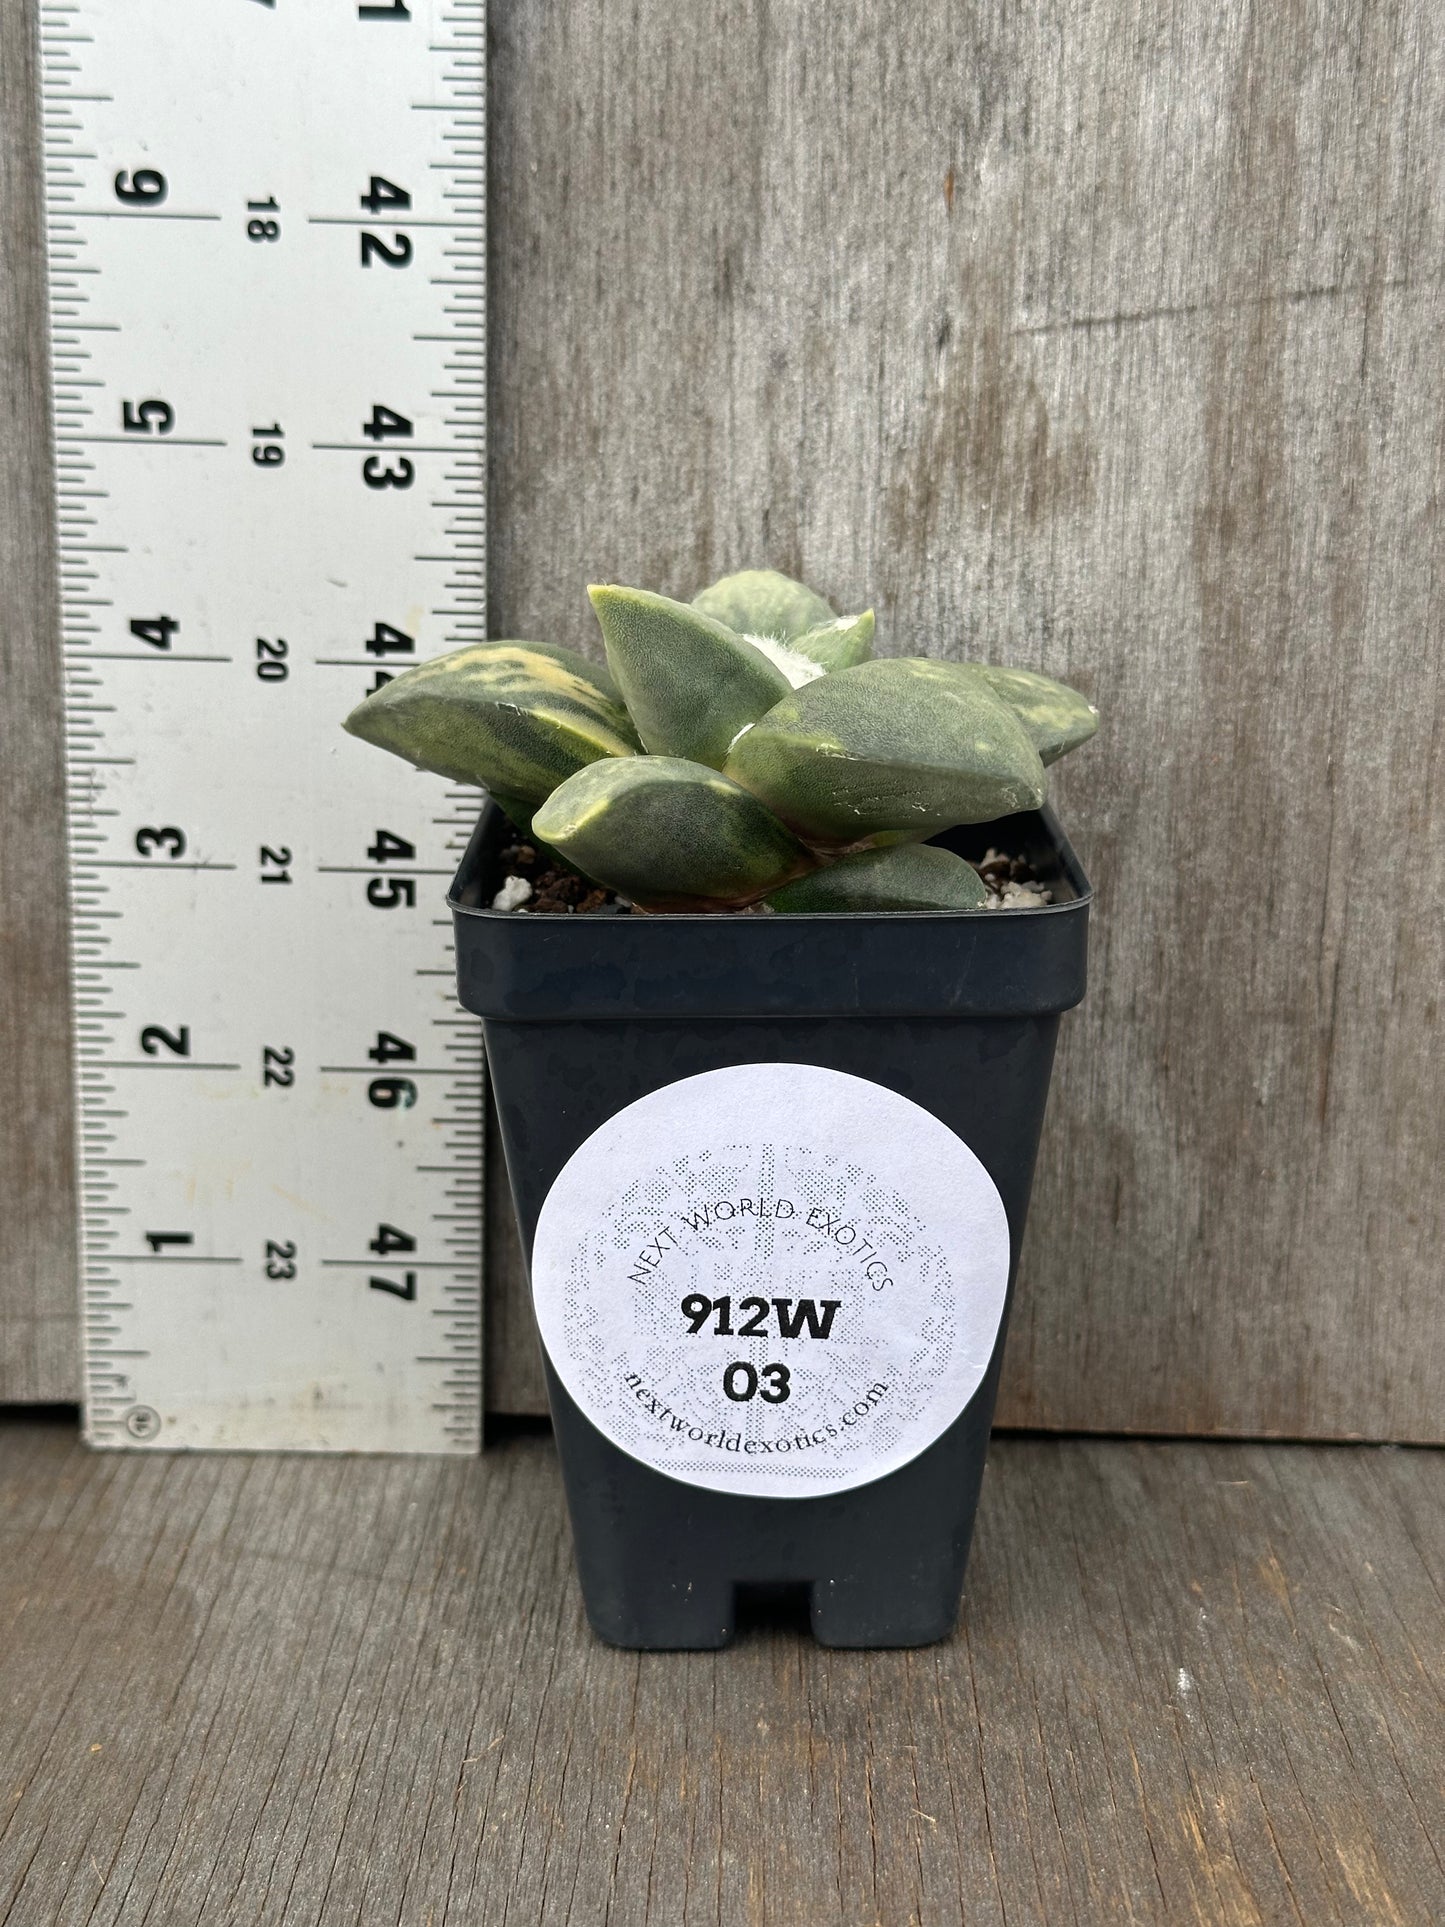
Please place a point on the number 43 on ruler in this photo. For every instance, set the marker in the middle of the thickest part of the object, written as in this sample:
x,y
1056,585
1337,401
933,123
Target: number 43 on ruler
x,y
267,272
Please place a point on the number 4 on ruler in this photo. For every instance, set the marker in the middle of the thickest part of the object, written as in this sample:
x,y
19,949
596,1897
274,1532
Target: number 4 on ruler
x,y
281,1108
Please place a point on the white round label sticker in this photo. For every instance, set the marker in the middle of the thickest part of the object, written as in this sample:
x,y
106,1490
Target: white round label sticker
x,y
774,1279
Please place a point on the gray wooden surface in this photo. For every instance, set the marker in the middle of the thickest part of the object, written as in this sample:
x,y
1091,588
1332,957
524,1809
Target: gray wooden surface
x,y
1195,1683
1102,339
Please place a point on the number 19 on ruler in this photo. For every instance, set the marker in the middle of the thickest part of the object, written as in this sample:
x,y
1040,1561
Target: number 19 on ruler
x,y
267,268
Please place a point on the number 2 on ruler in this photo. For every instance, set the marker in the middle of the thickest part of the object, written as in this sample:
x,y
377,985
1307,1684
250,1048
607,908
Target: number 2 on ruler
x,y
280,1106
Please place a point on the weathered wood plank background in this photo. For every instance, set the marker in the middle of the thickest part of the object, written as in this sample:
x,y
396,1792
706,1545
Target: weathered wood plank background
x,y
1101,338
1193,1685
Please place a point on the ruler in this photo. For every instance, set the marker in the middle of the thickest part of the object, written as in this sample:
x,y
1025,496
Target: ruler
x,y
265,225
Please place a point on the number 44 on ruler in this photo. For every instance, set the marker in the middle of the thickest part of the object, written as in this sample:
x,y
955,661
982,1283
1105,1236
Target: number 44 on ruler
x,y
267,277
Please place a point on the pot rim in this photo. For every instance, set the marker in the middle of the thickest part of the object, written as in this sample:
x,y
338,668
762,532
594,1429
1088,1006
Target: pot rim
x,y
688,966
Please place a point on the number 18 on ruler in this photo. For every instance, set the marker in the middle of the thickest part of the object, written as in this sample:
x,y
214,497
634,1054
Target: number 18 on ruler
x,y
267,273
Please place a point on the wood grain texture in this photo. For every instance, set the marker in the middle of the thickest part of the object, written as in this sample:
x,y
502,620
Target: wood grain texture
x,y
1102,339
39,1295
1105,341
1193,1684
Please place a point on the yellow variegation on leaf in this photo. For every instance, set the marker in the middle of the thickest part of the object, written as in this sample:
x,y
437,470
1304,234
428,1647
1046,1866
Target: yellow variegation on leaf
x,y
517,718
1056,717
739,747
889,752
670,834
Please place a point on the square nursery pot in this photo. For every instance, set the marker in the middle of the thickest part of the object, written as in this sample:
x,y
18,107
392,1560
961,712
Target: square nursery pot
x,y
771,1173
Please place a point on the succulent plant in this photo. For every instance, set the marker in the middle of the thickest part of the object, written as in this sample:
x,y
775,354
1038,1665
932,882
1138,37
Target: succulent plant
x,y
669,833
516,717
691,684
889,752
741,747
905,876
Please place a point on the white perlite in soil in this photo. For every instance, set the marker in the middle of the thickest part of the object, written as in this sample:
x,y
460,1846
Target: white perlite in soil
x,y
1019,896
1007,890
515,891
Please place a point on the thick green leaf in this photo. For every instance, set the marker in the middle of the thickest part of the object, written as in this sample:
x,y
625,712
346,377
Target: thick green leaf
x,y
516,717
669,834
761,602
909,876
690,683
889,752
1056,717
840,644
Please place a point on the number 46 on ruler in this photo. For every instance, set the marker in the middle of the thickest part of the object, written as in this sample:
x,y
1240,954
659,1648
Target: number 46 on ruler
x,y
267,272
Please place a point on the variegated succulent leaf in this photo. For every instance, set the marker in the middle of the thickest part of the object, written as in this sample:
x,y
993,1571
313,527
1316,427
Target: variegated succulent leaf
x,y
517,718
1056,717
669,834
839,644
890,751
907,876
762,602
690,683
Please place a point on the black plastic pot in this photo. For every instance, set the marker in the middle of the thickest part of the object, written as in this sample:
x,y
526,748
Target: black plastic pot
x,y
957,1012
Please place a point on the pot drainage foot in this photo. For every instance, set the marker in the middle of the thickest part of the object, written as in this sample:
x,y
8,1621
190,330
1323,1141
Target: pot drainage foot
x,y
695,1619
871,1613
837,1612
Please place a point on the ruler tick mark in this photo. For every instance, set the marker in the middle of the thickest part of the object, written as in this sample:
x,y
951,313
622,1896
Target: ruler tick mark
x,y
239,1164
133,214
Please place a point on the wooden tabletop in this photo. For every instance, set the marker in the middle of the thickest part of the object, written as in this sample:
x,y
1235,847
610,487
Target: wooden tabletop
x,y
1193,1683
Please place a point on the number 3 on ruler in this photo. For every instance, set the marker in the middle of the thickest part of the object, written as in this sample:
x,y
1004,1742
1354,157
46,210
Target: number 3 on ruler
x,y
224,407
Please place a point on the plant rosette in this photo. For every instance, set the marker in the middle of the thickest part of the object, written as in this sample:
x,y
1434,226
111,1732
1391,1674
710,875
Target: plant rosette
x,y
771,1169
